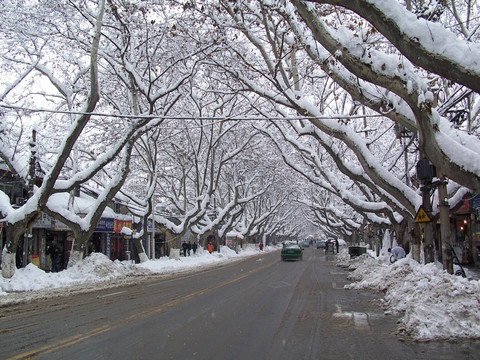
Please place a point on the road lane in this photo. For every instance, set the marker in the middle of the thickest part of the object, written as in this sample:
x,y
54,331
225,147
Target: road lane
x,y
260,308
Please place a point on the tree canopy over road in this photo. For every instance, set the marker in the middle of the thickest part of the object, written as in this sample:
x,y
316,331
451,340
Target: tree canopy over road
x,y
254,116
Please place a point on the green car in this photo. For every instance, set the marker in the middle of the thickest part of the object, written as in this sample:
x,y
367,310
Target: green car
x,y
291,252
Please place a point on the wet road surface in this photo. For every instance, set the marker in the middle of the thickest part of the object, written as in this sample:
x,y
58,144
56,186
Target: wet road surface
x,y
260,308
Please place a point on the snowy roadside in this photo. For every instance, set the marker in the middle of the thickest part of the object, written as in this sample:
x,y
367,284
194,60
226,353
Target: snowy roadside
x,y
97,272
433,304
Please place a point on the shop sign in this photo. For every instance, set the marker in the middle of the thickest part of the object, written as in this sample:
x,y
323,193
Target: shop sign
x,y
105,225
231,243
59,226
465,207
120,224
44,222
108,245
476,203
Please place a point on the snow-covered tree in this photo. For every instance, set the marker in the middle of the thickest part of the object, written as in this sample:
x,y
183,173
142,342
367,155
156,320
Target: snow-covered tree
x,y
295,54
18,220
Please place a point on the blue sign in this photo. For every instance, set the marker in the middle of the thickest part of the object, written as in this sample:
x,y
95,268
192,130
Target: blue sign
x,y
105,225
476,203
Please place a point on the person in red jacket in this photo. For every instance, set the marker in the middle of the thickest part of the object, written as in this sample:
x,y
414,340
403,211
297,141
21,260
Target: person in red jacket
x,y
210,247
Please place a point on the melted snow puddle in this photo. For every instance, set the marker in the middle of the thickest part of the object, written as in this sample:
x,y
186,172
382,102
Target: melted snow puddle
x,y
357,319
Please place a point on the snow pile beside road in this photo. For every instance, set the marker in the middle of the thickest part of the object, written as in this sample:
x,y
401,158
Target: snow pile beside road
x,y
434,304
93,269
98,267
201,259
97,270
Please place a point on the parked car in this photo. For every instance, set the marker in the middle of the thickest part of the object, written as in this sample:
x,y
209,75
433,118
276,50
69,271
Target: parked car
x,y
321,244
306,243
291,252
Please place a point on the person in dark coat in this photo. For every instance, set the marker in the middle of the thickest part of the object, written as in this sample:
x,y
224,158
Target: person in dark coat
x,y
184,247
194,247
189,248
54,252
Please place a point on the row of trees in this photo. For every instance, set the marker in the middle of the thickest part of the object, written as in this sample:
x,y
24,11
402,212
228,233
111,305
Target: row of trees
x,y
238,115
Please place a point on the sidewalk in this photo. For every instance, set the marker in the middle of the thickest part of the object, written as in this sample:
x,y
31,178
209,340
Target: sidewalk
x,y
473,271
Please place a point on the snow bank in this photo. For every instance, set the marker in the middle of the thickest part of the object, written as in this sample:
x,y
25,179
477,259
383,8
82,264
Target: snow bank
x,y
94,268
98,269
433,304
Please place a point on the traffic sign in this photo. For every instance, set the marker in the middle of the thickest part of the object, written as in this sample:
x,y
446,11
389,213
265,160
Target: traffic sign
x,y
422,216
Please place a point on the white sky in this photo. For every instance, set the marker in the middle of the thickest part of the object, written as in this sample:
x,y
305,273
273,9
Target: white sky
x,y
432,304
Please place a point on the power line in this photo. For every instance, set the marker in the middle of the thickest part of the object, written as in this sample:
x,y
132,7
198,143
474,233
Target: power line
x,y
183,117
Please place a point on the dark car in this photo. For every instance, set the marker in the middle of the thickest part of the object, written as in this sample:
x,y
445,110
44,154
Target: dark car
x,y
321,244
291,252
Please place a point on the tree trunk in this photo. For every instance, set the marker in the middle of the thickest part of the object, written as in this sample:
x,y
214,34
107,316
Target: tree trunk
x,y
10,250
75,257
140,250
14,232
77,251
8,263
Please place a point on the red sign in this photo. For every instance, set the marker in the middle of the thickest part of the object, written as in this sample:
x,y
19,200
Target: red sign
x,y
465,206
120,224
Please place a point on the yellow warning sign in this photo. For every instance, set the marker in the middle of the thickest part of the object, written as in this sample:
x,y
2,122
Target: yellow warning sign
x,y
422,216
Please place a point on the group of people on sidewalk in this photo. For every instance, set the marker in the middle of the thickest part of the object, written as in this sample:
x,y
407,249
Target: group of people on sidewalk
x,y
188,247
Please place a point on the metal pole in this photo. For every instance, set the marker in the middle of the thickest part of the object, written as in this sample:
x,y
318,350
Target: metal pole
x,y
152,251
428,246
445,226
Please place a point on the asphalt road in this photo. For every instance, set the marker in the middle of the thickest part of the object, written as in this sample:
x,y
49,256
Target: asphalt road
x,y
260,308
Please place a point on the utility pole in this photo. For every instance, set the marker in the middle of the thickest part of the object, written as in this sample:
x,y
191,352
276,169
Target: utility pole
x,y
426,172
32,166
445,226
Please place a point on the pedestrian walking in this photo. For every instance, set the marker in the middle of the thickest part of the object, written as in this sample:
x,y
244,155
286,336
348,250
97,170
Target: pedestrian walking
x,y
54,252
194,247
189,248
184,247
210,247
261,246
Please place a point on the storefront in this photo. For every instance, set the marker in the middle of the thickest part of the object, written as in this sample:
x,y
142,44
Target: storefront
x,y
466,226
2,241
100,240
37,243
475,207
118,244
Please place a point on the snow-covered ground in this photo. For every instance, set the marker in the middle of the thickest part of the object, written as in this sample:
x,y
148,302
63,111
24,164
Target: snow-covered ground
x,y
432,304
